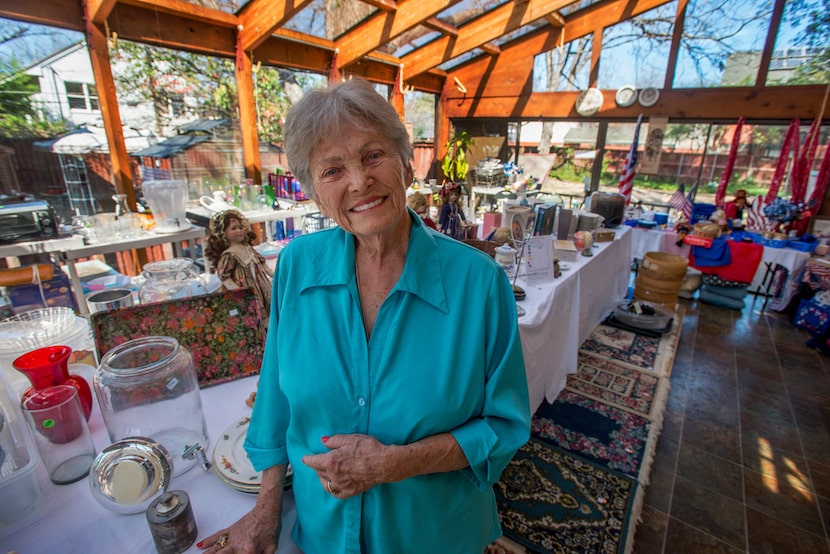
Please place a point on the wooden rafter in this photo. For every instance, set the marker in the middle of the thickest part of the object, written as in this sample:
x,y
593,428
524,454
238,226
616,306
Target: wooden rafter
x,y
99,10
385,26
555,19
260,18
186,10
385,5
437,25
490,26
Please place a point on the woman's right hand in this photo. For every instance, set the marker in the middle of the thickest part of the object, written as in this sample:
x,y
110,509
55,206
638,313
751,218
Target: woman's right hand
x,y
257,532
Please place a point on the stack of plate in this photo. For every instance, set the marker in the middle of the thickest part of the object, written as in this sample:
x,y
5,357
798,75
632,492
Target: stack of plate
x,y
589,221
231,464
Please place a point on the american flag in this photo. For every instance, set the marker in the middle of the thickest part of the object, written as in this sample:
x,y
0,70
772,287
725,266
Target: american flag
x,y
682,202
626,184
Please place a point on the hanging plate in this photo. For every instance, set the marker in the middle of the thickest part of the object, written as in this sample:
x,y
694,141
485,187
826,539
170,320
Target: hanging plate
x,y
588,102
626,96
649,97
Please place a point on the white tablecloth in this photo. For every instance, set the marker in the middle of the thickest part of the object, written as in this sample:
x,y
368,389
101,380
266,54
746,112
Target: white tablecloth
x,y
69,519
792,259
561,314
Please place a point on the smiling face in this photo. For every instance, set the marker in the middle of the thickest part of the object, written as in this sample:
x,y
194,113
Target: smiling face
x,y
360,182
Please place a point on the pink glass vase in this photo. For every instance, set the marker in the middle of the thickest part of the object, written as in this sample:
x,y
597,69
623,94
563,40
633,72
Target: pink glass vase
x,y
47,367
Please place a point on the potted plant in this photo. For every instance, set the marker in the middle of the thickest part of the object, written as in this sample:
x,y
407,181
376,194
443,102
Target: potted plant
x,y
455,163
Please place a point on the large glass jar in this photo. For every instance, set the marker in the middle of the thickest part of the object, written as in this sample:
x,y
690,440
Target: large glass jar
x,y
147,387
170,280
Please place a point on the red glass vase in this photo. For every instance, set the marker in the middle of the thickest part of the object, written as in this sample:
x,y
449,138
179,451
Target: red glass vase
x,y
47,367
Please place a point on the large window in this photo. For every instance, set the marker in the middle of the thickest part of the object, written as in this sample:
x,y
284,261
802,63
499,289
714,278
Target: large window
x,y
802,45
722,43
634,52
564,68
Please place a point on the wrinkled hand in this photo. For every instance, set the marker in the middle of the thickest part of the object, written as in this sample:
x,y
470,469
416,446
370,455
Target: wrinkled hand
x,y
353,464
256,532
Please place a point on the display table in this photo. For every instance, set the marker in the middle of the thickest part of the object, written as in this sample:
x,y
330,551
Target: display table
x,y
71,255
561,314
69,519
51,246
645,240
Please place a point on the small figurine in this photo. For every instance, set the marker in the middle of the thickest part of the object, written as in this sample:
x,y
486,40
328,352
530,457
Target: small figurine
x,y
735,208
451,222
231,252
419,204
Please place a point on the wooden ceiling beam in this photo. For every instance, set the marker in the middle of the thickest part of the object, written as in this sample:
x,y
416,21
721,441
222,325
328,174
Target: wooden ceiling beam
x,y
185,10
382,27
260,18
490,26
52,13
709,104
437,25
491,48
555,19
143,24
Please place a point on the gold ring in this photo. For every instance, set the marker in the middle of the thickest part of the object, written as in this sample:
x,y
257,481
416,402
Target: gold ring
x,y
223,541
331,489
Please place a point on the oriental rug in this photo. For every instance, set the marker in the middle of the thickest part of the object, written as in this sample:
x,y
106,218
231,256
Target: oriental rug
x,y
578,484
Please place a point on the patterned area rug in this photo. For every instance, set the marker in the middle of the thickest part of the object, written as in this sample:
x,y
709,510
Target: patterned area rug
x,y
552,501
616,384
595,431
578,484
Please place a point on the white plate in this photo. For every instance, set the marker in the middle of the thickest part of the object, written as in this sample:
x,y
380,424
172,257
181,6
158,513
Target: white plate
x,y
231,463
626,96
564,267
648,97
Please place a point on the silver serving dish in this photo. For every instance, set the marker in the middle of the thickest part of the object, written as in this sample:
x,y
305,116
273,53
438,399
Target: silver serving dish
x,y
642,315
129,474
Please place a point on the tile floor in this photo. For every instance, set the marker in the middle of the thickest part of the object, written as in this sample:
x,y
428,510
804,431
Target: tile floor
x,y
743,462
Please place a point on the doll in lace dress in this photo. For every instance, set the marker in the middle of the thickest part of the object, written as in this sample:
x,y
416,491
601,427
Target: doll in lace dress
x,y
231,252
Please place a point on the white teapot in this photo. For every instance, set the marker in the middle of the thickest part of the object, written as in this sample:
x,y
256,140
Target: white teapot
x,y
216,203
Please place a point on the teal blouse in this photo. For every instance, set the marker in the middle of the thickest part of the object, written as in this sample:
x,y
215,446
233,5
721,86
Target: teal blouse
x,y
444,356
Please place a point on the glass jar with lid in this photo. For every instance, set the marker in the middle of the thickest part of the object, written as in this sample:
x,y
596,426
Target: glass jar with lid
x,y
147,387
170,280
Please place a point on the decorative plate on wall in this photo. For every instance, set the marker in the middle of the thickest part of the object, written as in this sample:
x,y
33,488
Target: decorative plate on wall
x,y
649,97
626,96
588,102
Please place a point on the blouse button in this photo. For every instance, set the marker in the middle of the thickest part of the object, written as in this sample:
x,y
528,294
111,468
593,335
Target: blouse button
x,y
361,401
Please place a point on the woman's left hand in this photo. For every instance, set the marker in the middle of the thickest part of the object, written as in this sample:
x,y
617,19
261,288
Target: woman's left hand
x,y
353,464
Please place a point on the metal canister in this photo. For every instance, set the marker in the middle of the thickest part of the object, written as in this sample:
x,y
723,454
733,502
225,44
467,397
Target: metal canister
x,y
171,522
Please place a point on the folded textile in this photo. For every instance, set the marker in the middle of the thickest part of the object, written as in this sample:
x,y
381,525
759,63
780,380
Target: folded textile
x,y
716,255
715,299
717,280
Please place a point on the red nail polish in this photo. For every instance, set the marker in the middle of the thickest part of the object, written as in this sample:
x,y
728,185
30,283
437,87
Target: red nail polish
x,y
324,439
199,544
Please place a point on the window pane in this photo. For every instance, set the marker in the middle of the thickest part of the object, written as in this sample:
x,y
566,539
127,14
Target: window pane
x,y
802,46
634,52
722,43
564,68
74,88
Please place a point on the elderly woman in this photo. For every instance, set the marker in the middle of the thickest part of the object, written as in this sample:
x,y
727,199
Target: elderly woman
x,y
393,380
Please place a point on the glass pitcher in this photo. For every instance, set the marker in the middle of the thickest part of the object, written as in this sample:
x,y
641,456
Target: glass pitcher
x,y
170,280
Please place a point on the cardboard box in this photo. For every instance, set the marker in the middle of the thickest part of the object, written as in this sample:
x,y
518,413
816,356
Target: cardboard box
x,y
565,250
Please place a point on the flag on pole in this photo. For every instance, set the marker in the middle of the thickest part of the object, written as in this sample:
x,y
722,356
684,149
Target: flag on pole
x,y
626,184
682,202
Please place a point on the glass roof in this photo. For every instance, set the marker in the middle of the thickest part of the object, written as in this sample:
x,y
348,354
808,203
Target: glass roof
x,y
315,20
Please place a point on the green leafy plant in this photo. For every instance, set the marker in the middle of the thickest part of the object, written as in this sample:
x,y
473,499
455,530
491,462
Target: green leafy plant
x,y
455,164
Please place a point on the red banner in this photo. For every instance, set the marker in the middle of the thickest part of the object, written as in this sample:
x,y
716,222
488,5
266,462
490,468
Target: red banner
x,y
730,164
781,168
801,166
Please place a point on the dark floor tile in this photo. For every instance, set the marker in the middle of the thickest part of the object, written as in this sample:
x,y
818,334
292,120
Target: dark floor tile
x,y
773,407
659,490
765,388
713,438
651,531
814,428
684,539
763,364
768,535
820,474
717,515
781,435
824,508
665,454
782,498
710,472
